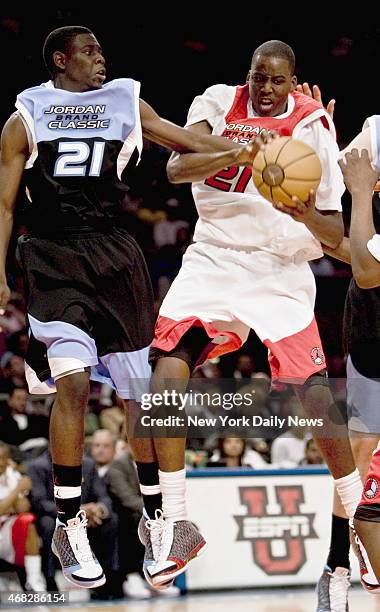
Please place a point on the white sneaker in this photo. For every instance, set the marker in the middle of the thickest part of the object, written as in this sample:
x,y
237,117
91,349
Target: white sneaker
x,y
332,590
135,587
150,534
70,544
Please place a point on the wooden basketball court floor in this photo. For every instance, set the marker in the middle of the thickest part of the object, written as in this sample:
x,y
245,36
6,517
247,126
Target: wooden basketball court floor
x,y
283,600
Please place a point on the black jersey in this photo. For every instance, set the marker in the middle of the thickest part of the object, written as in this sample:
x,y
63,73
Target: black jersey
x,y
81,146
361,323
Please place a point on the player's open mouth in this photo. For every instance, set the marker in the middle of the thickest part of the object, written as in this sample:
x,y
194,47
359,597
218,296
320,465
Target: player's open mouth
x,y
101,75
266,102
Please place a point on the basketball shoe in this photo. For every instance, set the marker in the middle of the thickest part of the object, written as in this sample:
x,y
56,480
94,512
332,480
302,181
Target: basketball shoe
x,y
71,546
150,535
332,590
180,543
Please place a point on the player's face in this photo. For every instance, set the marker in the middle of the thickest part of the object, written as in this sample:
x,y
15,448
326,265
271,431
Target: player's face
x,y
85,64
270,82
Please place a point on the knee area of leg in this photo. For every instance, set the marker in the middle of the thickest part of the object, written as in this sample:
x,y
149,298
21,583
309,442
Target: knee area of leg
x,y
319,379
74,385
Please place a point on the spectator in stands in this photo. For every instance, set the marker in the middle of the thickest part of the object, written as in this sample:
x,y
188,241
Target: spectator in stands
x,y
102,522
102,450
28,431
123,487
12,372
312,454
245,366
113,417
19,542
232,452
288,449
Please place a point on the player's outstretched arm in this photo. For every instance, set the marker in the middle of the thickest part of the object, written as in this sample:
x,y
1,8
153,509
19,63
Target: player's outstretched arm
x,y
192,167
14,153
179,139
360,178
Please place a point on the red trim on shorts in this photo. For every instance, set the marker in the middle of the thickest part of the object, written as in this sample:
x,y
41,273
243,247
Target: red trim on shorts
x,y
168,333
295,358
19,534
371,489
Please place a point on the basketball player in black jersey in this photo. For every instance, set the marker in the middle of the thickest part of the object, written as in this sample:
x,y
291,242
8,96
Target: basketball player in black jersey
x,y
90,303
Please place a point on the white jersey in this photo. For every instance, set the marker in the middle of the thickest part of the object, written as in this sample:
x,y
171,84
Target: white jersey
x,y
231,211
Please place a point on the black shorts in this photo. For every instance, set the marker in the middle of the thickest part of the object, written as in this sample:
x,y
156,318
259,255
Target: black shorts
x,y
90,304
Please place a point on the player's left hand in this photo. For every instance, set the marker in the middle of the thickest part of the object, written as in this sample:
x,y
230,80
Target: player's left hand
x,y
302,211
358,172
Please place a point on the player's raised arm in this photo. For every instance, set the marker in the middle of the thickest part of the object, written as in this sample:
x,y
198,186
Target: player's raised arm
x,y
14,153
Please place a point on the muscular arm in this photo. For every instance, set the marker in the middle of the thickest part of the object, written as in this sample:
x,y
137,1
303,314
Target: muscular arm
x,y
341,252
360,177
190,167
327,227
14,153
365,268
177,138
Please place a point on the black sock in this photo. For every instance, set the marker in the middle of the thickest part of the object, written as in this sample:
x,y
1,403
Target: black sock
x,y
148,477
340,543
66,476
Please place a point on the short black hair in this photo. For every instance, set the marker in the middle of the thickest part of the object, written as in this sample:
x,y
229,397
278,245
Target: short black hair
x,y
277,48
60,40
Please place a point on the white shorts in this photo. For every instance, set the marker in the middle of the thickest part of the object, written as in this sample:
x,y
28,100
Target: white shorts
x,y
229,292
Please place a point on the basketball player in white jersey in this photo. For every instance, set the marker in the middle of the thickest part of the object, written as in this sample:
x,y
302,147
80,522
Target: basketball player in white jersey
x,y
248,268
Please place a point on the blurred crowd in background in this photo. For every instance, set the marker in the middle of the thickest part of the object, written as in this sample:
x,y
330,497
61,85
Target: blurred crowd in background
x,y
174,64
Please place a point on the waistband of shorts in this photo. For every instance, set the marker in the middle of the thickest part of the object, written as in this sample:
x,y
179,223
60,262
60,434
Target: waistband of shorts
x,y
234,247
77,232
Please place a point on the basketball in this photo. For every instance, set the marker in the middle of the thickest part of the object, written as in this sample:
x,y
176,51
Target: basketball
x,y
286,168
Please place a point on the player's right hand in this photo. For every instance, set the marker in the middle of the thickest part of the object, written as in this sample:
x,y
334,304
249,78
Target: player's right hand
x,y
5,294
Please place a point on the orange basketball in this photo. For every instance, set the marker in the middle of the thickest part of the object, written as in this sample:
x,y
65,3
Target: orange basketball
x,y
286,168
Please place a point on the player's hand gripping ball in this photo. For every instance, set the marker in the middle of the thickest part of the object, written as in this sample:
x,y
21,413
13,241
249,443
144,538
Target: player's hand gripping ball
x,y
286,168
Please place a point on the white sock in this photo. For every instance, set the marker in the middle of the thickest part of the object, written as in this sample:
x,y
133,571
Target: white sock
x,y
149,490
173,490
33,572
350,490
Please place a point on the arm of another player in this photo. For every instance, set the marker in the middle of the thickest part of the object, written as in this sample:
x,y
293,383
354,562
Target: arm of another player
x,y
360,178
191,167
179,139
14,153
214,152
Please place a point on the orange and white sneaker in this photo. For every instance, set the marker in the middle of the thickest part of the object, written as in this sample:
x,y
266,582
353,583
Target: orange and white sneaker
x,y
367,575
